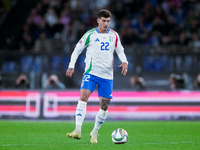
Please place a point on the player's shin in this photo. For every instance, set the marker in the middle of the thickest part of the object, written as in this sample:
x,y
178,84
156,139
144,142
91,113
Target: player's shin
x,y
100,118
80,114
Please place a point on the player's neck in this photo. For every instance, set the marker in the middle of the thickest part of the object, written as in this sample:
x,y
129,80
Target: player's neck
x,y
102,31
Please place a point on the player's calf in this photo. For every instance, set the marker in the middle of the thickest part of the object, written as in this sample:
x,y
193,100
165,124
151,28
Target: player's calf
x,y
104,104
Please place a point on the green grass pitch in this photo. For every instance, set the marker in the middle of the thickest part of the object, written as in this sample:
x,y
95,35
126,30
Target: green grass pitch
x,y
143,135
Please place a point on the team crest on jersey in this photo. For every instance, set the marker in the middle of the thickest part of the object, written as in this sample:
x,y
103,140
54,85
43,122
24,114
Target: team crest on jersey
x,y
110,38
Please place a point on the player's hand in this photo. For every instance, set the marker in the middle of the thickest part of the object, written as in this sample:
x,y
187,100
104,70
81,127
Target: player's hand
x,y
69,72
124,66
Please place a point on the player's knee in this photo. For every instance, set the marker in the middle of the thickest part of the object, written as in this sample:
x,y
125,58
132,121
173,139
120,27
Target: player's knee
x,y
105,104
84,98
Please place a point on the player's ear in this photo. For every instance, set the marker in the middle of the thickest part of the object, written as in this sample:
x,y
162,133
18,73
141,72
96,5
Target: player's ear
x,y
98,20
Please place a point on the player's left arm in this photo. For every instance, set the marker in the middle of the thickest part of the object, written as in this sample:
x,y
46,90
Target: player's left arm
x,y
120,53
124,66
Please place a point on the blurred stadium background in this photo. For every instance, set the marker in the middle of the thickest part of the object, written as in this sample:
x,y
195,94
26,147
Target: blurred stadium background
x,y
161,41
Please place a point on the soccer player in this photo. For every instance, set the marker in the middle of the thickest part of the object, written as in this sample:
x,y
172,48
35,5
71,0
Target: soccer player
x,y
101,42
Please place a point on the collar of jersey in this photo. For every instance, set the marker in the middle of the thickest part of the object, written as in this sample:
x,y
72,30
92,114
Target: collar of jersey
x,y
100,32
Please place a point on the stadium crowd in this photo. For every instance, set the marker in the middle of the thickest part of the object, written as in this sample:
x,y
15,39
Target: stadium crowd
x,y
57,25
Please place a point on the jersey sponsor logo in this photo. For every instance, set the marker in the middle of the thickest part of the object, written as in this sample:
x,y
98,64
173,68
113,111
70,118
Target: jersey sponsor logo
x,y
97,40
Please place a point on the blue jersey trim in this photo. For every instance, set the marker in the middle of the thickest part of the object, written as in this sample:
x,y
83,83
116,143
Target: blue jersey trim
x,y
97,30
100,32
108,30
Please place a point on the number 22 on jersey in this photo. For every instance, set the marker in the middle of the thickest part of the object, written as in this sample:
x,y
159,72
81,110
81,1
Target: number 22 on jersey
x,y
105,46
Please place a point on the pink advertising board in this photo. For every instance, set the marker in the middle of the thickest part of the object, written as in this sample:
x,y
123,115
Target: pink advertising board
x,y
127,105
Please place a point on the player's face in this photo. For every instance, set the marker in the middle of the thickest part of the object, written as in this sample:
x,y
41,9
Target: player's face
x,y
103,24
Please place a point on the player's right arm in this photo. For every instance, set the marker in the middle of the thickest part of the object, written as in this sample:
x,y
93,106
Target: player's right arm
x,y
70,72
77,51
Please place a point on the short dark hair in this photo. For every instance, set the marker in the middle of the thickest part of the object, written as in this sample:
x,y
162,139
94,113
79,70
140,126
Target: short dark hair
x,y
104,13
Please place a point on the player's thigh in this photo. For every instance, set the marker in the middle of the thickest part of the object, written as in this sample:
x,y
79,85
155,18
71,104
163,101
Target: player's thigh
x,y
105,88
88,82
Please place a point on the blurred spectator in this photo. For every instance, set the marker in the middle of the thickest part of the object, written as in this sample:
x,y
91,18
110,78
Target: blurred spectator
x,y
35,17
101,3
22,82
54,83
51,17
39,8
45,6
40,28
188,19
165,7
174,3
43,45
92,20
152,39
137,83
175,34
170,25
183,40
129,36
58,7
176,82
197,82
158,26
31,25
27,45
12,42
159,12
119,11
65,17
22,35
148,12
194,26
57,44
195,43
75,4
142,26
165,41
133,7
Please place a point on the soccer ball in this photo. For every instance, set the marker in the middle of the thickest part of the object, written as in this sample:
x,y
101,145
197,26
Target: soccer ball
x,y
119,136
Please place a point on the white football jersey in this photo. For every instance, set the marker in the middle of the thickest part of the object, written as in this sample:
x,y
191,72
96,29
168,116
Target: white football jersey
x,y
99,54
